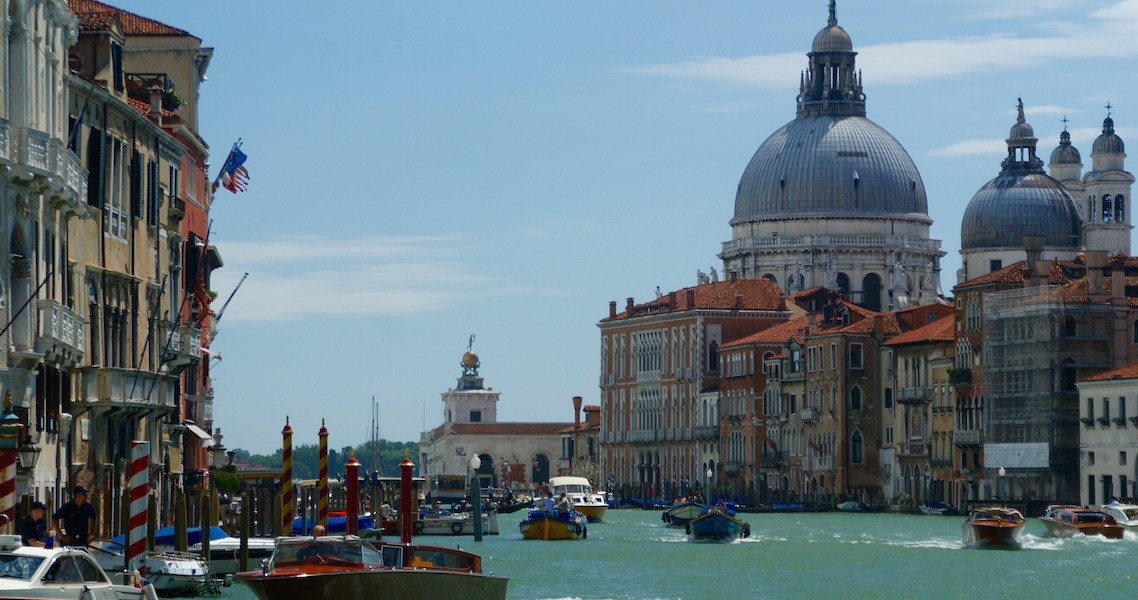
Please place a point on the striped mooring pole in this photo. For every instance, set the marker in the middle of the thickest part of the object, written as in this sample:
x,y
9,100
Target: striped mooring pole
x,y
286,480
139,480
322,489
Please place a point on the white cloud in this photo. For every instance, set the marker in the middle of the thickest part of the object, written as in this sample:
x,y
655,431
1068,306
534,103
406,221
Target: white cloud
x,y
970,148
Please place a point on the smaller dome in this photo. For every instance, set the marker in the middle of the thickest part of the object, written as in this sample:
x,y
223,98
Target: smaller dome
x,y
1108,142
832,39
1065,154
1021,133
470,359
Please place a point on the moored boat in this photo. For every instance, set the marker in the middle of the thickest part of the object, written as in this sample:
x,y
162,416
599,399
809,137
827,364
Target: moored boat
x,y
444,522
681,513
1069,521
852,506
993,527
1125,514
559,525
347,567
63,573
717,524
580,492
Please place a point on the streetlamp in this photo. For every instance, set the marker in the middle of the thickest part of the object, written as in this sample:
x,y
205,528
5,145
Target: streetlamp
x,y
1002,473
476,492
707,492
506,475
28,453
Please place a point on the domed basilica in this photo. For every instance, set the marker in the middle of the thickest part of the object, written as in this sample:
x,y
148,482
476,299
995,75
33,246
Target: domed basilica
x,y
832,199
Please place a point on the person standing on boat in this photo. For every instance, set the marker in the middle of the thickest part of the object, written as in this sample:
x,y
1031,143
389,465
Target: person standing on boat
x,y
550,505
565,504
34,528
78,518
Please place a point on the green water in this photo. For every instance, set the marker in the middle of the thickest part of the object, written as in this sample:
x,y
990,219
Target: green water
x,y
632,556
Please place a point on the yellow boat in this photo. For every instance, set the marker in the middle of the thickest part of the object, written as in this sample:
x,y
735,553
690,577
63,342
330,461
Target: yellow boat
x,y
560,525
580,492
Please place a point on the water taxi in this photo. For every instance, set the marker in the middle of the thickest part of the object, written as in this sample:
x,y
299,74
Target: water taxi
x,y
1069,521
1125,514
993,527
580,492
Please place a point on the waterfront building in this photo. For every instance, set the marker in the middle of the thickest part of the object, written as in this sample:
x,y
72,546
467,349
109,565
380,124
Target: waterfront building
x,y
1108,444
580,445
44,194
832,199
660,380
917,413
510,453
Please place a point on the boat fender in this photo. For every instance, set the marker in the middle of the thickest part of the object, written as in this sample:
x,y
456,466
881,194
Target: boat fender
x,y
456,528
577,528
419,527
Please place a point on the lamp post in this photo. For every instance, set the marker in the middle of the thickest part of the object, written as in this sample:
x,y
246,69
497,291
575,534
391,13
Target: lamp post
x,y
476,492
505,475
707,488
1002,473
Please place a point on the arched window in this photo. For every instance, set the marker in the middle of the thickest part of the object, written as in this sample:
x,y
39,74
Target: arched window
x,y
855,398
1107,209
1119,209
871,292
843,284
713,357
857,451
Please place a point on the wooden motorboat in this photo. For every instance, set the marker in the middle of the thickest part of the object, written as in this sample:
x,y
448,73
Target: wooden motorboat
x,y
717,524
681,513
993,527
1125,514
62,573
348,568
557,525
1069,521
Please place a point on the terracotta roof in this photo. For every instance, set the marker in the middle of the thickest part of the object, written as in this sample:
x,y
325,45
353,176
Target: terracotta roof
x,y
1129,371
757,294
98,16
889,324
774,336
941,330
144,108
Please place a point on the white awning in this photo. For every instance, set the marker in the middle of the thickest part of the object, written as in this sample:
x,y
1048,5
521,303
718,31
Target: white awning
x,y
207,439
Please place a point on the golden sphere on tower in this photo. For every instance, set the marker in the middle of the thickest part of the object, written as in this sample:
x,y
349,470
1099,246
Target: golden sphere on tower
x,y
470,359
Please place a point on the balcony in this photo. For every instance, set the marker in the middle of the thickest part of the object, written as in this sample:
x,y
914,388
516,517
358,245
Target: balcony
x,y
644,436
959,376
127,389
183,346
60,337
199,408
774,459
912,395
177,207
808,415
705,432
732,468
967,437
29,150
819,463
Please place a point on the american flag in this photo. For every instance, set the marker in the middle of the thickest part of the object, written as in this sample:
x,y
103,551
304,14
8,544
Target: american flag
x,y
234,176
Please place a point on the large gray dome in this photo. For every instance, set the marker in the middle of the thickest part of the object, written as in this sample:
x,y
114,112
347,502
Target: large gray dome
x,y
830,164
1016,204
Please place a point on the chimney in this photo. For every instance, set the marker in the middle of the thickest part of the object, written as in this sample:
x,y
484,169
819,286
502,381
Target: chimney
x,y
1033,245
738,301
672,300
1118,282
156,104
629,307
576,412
1096,260
612,309
734,275
690,299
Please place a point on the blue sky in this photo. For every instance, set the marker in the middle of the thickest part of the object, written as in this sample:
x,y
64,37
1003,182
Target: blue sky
x,y
422,171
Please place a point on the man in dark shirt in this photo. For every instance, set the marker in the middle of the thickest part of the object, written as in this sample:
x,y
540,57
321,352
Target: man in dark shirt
x,y
78,519
33,530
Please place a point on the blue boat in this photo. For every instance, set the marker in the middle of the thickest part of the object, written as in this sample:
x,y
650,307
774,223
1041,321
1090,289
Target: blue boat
x,y
717,524
681,513
336,525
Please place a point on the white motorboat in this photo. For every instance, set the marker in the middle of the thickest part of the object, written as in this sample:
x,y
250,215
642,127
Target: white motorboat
x,y
171,573
62,573
580,492
444,522
1125,514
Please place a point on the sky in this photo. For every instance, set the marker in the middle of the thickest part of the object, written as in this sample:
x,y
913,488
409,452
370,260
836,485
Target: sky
x,y
426,171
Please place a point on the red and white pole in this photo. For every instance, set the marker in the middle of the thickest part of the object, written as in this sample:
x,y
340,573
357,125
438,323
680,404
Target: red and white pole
x,y
139,480
8,485
286,479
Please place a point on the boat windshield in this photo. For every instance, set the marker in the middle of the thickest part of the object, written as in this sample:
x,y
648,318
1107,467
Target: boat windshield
x,y
322,551
1131,513
19,567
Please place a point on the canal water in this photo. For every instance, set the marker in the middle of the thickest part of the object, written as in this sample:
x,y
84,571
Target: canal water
x,y
632,556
